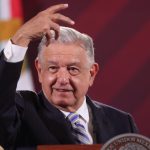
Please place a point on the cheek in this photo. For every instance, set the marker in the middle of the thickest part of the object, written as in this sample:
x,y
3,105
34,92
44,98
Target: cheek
x,y
82,83
47,79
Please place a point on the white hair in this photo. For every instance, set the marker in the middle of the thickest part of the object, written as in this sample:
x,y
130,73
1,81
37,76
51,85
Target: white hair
x,y
70,35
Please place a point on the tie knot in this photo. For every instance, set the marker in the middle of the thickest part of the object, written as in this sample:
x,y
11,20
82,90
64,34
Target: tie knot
x,y
73,117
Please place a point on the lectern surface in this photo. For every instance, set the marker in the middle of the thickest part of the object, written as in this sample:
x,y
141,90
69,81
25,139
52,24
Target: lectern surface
x,y
69,147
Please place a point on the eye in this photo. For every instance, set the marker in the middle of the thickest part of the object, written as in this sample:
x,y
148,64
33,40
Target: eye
x,y
73,70
52,69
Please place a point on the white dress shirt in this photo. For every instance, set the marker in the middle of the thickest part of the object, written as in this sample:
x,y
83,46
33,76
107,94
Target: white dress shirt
x,y
84,118
14,53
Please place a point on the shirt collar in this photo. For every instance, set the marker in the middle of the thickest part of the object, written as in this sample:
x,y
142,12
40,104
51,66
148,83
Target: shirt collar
x,y
82,111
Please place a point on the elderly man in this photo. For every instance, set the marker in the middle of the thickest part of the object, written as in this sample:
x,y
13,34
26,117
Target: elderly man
x,y
61,113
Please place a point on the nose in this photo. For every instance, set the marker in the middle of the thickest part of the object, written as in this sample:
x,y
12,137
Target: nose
x,y
63,76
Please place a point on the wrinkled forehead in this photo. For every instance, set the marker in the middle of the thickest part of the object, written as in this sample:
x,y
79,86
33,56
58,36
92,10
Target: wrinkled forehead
x,y
64,51
64,48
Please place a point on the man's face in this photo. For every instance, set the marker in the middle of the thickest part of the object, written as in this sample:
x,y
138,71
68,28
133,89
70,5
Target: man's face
x,y
65,75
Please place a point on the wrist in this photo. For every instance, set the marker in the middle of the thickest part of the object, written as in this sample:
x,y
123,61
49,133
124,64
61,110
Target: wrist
x,y
20,40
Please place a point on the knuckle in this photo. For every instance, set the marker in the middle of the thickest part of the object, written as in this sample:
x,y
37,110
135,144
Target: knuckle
x,y
57,27
45,28
58,16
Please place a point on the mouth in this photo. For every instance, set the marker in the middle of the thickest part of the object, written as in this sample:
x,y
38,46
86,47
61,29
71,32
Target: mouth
x,y
62,90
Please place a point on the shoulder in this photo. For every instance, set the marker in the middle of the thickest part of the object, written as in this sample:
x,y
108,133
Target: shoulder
x,y
23,97
113,118
107,110
25,94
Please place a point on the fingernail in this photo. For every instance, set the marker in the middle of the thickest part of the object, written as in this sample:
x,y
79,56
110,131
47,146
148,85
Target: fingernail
x,y
72,22
66,5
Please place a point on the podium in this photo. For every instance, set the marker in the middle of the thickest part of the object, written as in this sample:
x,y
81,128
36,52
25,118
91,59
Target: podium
x,y
69,147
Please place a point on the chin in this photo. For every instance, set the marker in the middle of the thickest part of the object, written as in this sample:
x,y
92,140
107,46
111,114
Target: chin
x,y
64,103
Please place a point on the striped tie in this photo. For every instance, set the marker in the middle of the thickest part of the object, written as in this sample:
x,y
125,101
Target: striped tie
x,y
78,131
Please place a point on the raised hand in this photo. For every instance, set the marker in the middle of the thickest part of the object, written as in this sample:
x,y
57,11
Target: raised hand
x,y
41,24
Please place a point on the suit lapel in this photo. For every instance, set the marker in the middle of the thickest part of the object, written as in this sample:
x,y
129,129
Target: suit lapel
x,y
55,122
101,125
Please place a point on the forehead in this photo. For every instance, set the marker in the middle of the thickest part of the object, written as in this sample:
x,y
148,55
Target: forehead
x,y
67,52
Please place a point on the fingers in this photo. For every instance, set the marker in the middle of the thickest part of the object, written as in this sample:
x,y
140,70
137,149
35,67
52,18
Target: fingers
x,y
56,8
41,25
54,27
59,17
48,37
55,18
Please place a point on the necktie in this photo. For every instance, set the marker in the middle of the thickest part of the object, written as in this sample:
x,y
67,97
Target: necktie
x,y
78,131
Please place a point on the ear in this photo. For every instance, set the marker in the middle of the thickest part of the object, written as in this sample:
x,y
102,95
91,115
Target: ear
x,y
38,68
93,72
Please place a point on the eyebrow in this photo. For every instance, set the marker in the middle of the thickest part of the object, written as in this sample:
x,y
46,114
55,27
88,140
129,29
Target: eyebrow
x,y
69,64
52,62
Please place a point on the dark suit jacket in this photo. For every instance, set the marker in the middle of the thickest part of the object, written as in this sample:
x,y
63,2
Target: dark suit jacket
x,y
27,119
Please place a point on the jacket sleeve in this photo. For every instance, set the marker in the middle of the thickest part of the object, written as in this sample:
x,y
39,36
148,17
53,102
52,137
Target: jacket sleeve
x,y
9,117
